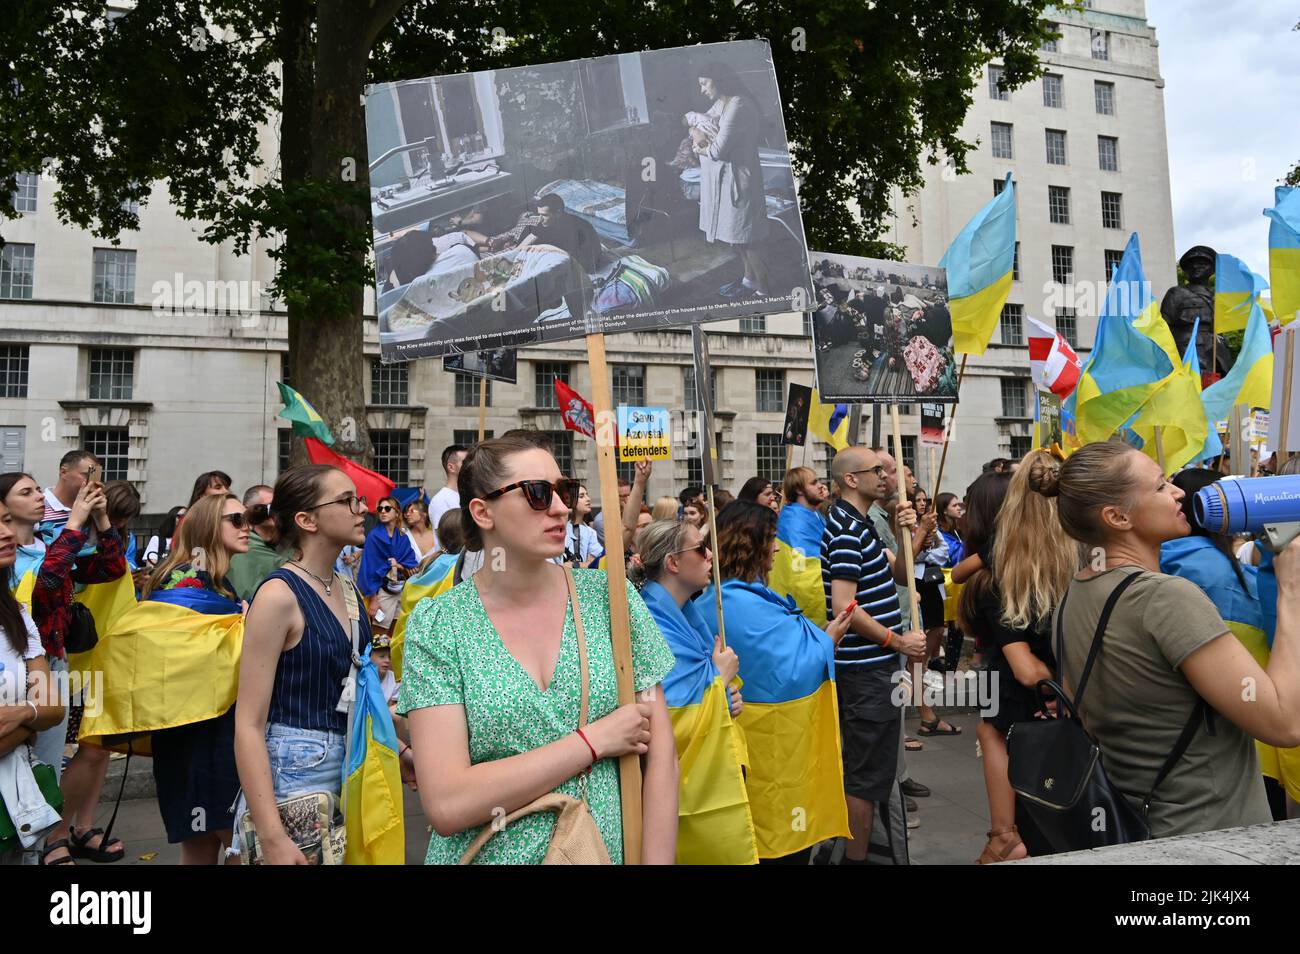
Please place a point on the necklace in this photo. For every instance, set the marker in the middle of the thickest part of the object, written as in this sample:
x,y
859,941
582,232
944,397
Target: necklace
x,y
314,576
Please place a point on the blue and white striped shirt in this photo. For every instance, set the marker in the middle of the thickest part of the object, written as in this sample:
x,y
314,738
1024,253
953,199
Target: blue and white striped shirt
x,y
852,551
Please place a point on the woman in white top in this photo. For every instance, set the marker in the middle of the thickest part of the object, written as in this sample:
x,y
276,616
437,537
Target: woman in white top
x,y
581,545
160,544
28,703
423,540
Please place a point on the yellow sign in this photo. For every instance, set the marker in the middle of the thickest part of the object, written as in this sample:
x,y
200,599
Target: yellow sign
x,y
643,433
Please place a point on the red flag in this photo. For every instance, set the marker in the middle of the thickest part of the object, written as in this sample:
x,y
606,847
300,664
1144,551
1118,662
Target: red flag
x,y
1052,362
576,410
374,487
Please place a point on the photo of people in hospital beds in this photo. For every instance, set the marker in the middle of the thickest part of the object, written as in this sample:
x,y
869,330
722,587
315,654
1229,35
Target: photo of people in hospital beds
x,y
542,203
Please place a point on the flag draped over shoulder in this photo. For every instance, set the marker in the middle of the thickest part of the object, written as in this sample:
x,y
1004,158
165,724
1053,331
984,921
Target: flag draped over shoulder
x,y
830,422
1284,252
26,568
372,778
714,823
797,566
172,659
106,602
1250,382
306,421
436,579
980,262
1175,408
374,487
1236,287
1133,353
790,720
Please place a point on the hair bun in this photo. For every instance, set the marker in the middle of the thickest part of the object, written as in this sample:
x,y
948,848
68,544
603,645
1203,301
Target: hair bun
x,y
1045,477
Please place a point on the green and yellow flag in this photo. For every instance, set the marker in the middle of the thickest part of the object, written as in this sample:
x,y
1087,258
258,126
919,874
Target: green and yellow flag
x,y
306,421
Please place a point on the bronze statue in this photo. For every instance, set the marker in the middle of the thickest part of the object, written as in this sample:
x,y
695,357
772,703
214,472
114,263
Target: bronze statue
x,y
1183,304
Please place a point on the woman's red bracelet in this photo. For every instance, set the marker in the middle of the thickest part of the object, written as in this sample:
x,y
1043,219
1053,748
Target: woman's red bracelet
x,y
594,757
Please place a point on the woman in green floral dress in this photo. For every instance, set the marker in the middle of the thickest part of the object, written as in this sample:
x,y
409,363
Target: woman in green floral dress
x,y
491,682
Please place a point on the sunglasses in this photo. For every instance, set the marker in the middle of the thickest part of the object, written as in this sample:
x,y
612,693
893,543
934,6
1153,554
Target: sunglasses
x,y
538,492
703,547
385,509
237,520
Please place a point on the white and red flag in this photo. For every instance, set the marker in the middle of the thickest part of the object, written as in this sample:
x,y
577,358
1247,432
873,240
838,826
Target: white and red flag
x,y
576,410
1052,362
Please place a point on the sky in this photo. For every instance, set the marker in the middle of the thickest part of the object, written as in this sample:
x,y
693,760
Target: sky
x,y
1232,114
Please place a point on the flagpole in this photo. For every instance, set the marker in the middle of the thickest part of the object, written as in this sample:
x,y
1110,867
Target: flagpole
x,y
947,431
629,766
905,536
717,565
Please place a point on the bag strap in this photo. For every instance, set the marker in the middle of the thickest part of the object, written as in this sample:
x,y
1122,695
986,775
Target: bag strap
x,y
1200,712
126,767
582,642
1102,622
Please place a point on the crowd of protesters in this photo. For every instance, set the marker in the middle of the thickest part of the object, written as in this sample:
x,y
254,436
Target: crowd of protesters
x,y
507,689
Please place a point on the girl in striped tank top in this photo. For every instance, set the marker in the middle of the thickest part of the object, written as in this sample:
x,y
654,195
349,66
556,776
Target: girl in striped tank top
x,y
289,733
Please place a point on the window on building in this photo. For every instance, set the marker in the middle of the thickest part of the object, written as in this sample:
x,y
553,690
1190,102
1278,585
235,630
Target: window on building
x,y
545,374
1103,95
995,84
1112,210
1020,446
1113,256
114,276
284,368
1052,46
1058,204
1108,153
467,390
17,270
629,385
14,363
1015,264
110,445
1056,147
1100,45
1063,264
770,454
807,323
466,438
130,205
1012,323
754,325
388,383
25,194
112,374
692,402
562,451
1054,91
1067,323
1014,393
909,452
770,389
283,445
392,454
1000,137
626,470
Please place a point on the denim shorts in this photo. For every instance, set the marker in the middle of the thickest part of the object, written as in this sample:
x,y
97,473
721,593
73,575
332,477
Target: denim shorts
x,y
302,761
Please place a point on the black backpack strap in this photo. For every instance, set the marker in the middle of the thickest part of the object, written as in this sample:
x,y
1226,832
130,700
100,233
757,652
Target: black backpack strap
x,y
108,829
1102,622
1200,712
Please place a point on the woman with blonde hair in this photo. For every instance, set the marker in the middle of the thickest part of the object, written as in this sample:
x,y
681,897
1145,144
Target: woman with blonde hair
x,y
1008,603
665,508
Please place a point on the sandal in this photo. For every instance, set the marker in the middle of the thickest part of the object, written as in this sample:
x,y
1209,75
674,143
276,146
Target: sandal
x,y
990,857
103,854
913,745
932,728
55,846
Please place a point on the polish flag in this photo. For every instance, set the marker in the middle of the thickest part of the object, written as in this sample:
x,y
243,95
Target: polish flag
x,y
1052,362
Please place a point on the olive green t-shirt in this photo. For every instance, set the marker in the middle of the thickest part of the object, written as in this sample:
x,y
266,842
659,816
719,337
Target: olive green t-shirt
x,y
1137,701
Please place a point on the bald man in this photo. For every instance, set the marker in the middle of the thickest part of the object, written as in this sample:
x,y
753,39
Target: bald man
x,y
855,565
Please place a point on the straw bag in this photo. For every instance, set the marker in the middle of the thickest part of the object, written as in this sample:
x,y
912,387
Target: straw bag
x,y
576,839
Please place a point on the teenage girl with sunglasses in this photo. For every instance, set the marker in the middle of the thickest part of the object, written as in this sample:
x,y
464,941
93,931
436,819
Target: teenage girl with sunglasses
x,y
387,559
492,683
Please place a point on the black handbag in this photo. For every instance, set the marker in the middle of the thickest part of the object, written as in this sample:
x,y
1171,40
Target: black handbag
x,y
1055,766
81,636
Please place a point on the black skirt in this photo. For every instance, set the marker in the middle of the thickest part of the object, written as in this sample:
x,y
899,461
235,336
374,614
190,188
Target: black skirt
x,y
194,770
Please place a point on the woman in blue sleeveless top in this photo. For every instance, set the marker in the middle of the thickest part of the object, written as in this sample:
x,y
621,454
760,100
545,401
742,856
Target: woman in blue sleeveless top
x,y
290,735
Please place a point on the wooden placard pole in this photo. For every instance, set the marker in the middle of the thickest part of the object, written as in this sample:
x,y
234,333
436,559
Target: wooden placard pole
x,y
620,625
717,566
789,462
905,536
703,372
947,430
482,407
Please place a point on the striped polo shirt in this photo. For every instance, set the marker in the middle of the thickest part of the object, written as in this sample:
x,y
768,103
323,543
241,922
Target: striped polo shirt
x,y
852,551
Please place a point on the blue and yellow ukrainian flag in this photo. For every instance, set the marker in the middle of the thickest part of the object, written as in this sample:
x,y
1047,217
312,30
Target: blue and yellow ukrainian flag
x,y
22,579
437,579
1134,352
797,566
1235,288
790,720
1250,382
172,659
714,823
1284,252
980,262
372,778
106,602
1175,408
830,422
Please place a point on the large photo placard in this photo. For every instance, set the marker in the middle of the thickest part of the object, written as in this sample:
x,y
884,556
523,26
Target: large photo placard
x,y
549,202
881,331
